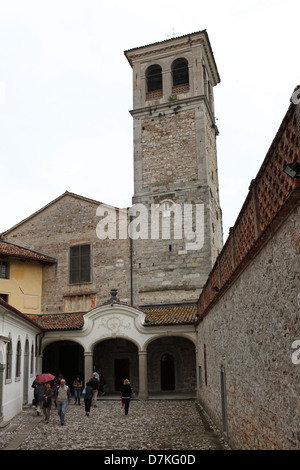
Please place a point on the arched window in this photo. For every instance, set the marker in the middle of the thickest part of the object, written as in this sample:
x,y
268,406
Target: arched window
x,y
32,360
8,361
180,76
154,81
18,360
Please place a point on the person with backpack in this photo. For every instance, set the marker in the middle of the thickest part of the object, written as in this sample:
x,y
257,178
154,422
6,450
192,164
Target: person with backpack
x,y
94,382
47,401
88,395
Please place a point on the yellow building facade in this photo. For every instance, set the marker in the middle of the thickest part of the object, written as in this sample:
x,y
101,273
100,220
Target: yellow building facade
x,y
21,277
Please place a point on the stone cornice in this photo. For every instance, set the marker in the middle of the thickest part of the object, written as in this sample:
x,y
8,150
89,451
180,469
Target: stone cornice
x,y
182,44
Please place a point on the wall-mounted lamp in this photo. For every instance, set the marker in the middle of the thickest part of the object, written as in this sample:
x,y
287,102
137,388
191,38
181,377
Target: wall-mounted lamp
x,y
292,169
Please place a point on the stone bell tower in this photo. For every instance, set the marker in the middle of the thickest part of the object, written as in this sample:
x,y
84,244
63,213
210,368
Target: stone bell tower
x,y
175,169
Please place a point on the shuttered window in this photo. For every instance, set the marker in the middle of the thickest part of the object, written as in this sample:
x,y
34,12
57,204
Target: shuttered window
x,y
80,264
3,270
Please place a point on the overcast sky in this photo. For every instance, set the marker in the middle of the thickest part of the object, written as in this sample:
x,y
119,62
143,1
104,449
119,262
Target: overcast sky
x,y
66,92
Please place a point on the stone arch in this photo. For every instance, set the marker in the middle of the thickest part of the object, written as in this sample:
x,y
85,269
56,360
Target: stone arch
x,y
182,350
117,358
64,357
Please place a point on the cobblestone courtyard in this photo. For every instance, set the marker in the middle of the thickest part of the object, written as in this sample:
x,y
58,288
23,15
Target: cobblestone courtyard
x,y
150,425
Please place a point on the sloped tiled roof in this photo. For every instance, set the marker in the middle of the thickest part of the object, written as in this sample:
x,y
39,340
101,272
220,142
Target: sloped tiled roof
x,y
8,249
170,314
59,321
156,315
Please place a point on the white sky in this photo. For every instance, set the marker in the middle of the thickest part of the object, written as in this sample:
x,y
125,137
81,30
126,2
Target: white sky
x,y
66,92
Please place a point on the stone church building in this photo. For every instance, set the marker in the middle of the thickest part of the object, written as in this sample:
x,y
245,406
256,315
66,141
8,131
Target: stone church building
x,y
150,293
146,332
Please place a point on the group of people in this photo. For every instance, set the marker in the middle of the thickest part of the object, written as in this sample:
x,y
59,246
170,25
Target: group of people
x,y
58,390
44,393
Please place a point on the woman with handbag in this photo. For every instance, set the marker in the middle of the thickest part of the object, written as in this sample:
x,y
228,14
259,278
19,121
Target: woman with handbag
x,y
88,395
126,393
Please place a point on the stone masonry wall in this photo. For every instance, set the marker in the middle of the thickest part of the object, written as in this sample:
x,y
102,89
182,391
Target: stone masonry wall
x,y
69,221
252,340
169,149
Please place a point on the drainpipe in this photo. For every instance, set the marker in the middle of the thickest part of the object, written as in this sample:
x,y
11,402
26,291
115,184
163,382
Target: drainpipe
x,y
131,265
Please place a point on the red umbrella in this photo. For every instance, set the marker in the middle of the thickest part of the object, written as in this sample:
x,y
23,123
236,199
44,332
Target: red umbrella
x,y
44,378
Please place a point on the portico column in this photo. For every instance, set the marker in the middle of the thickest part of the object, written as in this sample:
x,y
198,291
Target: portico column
x,y
143,379
88,365
39,364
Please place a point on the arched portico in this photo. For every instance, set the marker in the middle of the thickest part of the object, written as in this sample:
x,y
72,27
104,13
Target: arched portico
x,y
64,357
117,359
116,331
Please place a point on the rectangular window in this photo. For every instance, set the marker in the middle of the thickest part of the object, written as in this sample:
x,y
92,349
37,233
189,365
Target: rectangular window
x,y
3,270
80,264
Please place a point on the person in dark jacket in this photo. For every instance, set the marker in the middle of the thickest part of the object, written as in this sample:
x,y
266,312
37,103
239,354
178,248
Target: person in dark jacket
x,y
126,393
88,398
47,402
94,383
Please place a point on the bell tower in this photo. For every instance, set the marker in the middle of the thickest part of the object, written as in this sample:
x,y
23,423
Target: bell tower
x,y
175,168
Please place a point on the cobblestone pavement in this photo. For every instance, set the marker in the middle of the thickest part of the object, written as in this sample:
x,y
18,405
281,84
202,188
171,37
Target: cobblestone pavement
x,y
150,425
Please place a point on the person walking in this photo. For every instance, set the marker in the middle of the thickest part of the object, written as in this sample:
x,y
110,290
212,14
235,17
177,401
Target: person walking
x,y
39,392
56,384
88,398
77,385
47,401
62,400
126,393
94,382
101,383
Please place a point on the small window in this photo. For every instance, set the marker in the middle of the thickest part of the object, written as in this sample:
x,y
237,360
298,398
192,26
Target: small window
x,y
80,264
3,270
4,297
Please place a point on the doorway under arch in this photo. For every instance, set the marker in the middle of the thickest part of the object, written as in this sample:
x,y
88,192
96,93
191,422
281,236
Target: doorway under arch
x,y
171,365
117,359
66,358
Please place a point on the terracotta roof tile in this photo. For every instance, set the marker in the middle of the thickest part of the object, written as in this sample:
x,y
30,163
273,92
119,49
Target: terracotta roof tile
x,y
155,315
8,249
170,314
59,321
